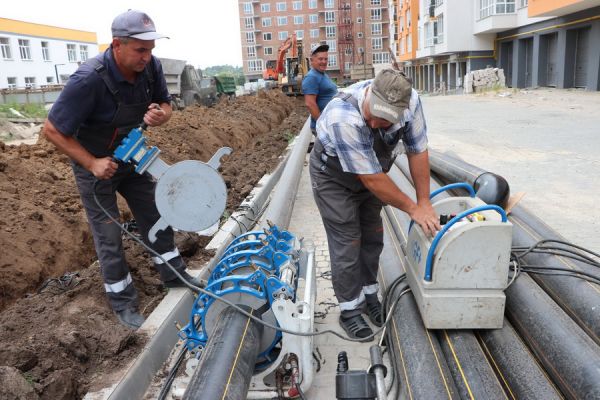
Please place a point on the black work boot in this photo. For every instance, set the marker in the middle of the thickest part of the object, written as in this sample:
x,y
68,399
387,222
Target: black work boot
x,y
130,318
374,310
355,326
177,283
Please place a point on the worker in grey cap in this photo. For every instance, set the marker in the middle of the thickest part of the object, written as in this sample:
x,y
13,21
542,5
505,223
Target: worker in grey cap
x,y
102,101
359,134
318,89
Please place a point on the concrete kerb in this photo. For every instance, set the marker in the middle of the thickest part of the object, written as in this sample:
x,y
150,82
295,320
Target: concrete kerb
x,y
177,304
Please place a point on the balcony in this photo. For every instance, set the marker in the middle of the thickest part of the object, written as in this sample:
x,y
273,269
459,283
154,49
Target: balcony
x,y
556,9
496,23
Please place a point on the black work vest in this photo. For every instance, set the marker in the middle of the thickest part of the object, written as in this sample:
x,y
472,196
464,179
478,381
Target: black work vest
x,y
101,140
383,145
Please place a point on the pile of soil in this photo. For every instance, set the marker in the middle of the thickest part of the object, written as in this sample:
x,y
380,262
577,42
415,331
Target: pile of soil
x,y
57,331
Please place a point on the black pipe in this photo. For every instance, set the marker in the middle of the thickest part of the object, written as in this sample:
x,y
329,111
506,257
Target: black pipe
x,y
577,297
491,188
518,372
419,361
228,360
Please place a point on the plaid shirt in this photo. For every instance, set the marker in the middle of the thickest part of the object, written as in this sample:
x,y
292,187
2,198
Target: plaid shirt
x,y
344,133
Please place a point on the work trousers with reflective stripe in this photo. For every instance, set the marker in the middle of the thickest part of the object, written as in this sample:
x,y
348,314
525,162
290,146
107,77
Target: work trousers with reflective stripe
x,y
354,230
138,191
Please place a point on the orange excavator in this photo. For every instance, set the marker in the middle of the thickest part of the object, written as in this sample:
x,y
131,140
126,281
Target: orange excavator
x,y
276,67
289,68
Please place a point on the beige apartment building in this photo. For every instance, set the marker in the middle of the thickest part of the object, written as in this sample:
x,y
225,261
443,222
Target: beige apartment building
x,y
357,32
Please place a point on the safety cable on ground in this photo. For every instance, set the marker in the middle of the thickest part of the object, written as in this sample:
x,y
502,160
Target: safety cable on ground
x,y
234,306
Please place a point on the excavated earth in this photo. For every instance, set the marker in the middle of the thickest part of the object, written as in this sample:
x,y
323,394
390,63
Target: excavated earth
x,y
58,335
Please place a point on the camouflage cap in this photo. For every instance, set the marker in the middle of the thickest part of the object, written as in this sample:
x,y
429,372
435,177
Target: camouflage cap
x,y
390,95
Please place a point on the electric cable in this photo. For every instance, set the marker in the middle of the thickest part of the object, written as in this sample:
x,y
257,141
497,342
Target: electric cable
x,y
231,304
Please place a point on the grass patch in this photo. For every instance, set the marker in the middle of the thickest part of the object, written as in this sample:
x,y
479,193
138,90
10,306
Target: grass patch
x,y
29,110
289,136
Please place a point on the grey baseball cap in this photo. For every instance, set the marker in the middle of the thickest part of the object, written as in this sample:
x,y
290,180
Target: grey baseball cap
x,y
390,95
319,49
135,24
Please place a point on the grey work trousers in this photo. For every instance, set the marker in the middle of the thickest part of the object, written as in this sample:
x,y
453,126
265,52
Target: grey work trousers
x,y
354,230
138,191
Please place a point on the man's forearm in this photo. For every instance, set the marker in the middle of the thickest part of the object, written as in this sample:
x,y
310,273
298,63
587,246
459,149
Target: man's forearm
x,y
311,104
419,171
68,145
386,190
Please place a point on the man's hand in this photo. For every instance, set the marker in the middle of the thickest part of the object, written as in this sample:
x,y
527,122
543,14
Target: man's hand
x,y
425,216
156,115
103,168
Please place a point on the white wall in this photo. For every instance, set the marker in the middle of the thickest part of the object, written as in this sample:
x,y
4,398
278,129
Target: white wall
x,y
37,67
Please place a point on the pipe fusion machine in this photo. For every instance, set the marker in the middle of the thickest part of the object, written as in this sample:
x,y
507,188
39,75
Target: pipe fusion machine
x,y
458,277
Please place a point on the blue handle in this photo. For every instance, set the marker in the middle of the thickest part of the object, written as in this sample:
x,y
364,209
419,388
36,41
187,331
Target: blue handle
x,y
451,186
438,236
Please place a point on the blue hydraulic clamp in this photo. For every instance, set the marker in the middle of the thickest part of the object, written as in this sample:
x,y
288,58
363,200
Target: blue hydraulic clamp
x,y
190,195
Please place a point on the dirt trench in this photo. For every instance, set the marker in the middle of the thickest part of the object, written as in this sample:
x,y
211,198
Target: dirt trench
x,y
58,337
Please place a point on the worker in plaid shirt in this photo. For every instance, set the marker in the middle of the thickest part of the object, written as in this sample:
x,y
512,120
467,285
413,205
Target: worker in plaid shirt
x,y
359,134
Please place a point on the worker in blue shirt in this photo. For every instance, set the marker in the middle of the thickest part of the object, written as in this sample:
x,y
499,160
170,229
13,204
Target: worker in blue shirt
x,y
359,134
317,87
102,101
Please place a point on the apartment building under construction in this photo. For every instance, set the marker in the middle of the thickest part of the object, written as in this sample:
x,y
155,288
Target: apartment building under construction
x,y
357,32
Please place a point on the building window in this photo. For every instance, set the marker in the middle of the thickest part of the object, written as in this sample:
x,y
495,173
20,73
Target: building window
x,y
266,21
255,65
409,43
408,18
265,7
298,19
250,37
439,2
283,35
249,23
375,2
313,18
347,65
299,34
377,43
348,51
267,36
281,7
83,52
330,31
297,5
248,8
312,4
45,51
30,82
5,46
358,5
428,34
12,82
491,7
24,49
376,28
251,51
359,20
381,58
401,46
438,29
71,52
359,35
329,17
329,3
281,21
268,51
331,60
376,14
332,45
523,3
50,80
314,33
